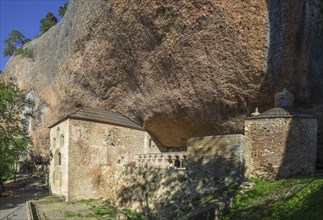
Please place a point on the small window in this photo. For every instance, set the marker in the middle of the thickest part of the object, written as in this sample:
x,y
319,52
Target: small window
x,y
62,141
58,158
282,102
150,143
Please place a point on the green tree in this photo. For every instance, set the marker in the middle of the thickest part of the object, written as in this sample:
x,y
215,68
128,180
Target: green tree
x,y
15,109
62,9
26,41
13,41
46,23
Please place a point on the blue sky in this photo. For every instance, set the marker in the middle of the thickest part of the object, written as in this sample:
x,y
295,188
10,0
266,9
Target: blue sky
x,y
25,16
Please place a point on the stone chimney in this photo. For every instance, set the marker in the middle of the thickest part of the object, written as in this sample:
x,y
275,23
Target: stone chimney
x,y
284,99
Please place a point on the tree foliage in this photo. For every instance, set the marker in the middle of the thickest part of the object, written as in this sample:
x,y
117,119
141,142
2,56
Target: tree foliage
x,y
26,41
15,109
46,23
62,9
14,40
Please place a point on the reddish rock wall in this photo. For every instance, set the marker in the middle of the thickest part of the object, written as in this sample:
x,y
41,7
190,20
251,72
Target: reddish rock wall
x,y
180,68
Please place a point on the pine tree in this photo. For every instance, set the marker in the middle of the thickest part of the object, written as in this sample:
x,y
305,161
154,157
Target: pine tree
x,y
46,23
62,9
13,41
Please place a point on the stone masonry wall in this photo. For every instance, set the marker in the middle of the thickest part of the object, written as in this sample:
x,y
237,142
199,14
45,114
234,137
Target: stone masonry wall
x,y
280,147
96,150
169,194
58,176
220,155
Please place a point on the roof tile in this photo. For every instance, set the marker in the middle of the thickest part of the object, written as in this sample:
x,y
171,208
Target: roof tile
x,y
101,116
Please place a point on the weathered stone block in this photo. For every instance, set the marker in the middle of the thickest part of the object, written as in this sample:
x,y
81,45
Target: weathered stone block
x,y
220,156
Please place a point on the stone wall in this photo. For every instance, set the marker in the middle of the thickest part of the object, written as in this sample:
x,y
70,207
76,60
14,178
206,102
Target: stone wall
x,y
279,147
58,175
169,194
220,155
96,150
86,155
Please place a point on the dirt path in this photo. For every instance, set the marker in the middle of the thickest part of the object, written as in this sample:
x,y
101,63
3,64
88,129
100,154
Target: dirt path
x,y
13,206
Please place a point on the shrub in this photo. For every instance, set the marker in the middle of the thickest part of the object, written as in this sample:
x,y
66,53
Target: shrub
x,y
24,52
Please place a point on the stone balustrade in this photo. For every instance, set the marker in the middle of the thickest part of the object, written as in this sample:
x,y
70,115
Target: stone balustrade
x,y
162,160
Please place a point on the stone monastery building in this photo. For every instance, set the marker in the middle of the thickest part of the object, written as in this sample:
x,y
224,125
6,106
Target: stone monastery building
x,y
88,145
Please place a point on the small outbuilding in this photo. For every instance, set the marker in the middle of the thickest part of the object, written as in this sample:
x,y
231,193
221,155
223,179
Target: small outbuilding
x,y
281,141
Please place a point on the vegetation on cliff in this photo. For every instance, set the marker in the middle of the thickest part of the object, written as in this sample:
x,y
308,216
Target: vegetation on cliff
x,y
62,9
14,40
15,108
46,23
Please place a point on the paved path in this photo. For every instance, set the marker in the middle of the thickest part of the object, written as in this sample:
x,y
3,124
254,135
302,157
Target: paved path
x,y
13,206
19,212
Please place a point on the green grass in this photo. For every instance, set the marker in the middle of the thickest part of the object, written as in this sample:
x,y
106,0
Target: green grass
x,y
54,198
73,215
298,197
89,202
132,214
103,210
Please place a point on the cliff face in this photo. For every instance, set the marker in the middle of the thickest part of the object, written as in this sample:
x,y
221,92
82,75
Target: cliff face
x,y
295,56
179,68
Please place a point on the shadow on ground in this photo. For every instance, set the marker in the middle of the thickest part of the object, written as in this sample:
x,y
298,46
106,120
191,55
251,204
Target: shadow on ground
x,y
16,195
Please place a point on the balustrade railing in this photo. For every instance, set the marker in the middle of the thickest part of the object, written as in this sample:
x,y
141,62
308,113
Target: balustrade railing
x,y
162,160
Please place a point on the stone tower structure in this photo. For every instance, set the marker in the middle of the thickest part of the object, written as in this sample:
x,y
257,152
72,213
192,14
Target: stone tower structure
x,y
284,99
281,141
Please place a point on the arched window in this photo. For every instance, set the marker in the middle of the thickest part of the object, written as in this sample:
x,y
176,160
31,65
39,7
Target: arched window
x,y
62,141
177,162
58,158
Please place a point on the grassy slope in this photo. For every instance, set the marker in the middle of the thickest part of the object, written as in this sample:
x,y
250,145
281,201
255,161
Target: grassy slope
x,y
298,197
52,207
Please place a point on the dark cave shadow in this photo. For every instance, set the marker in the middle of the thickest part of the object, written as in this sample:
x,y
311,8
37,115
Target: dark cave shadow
x,y
295,58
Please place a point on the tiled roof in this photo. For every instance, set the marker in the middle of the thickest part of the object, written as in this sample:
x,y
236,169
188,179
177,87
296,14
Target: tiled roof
x,y
101,116
282,112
